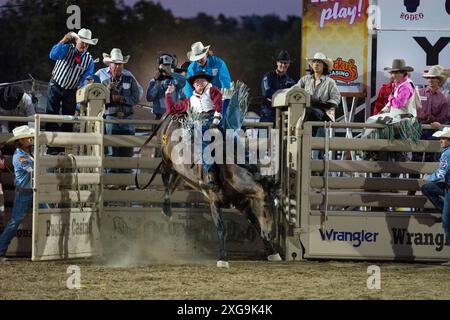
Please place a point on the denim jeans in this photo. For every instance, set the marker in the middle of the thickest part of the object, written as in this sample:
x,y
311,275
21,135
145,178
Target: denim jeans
x,y
58,98
119,129
23,202
435,191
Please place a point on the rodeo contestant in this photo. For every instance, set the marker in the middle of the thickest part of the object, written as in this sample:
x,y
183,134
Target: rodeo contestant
x,y
125,94
207,101
73,65
23,195
273,81
438,183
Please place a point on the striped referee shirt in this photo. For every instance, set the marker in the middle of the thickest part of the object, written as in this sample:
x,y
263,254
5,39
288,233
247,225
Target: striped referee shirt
x,y
68,73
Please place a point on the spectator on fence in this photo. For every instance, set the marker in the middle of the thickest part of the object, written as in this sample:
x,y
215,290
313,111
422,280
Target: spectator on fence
x,y
434,110
383,95
164,77
202,60
437,186
73,65
23,195
14,102
273,81
125,94
325,96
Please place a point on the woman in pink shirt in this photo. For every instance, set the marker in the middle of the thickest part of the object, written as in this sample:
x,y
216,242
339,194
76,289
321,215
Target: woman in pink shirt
x,y
403,86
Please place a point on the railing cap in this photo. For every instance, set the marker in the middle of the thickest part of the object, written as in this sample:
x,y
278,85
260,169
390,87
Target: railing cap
x,y
294,95
93,91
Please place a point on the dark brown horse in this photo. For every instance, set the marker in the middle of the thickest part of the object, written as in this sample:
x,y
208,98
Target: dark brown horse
x,y
237,187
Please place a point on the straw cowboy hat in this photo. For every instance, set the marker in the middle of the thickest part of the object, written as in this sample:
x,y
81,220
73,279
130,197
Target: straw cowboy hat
x,y
445,133
116,56
399,65
86,36
321,57
198,51
199,75
21,132
436,72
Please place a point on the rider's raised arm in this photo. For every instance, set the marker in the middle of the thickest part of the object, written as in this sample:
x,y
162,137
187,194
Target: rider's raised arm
x,y
178,107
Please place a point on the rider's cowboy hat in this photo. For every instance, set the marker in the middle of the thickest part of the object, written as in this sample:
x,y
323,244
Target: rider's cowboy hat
x,y
445,133
199,75
399,65
436,72
116,56
198,51
321,57
21,132
85,35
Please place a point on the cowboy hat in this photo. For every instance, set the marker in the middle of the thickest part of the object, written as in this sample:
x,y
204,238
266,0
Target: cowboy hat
x,y
198,51
21,132
321,57
116,56
444,133
199,75
284,57
436,72
399,65
86,36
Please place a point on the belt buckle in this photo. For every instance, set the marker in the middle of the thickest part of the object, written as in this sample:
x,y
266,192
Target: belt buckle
x,y
120,115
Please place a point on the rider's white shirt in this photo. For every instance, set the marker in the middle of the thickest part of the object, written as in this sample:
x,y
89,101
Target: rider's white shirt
x,y
202,103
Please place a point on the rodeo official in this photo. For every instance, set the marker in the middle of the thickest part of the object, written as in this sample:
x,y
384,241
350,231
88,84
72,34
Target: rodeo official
x,y
23,196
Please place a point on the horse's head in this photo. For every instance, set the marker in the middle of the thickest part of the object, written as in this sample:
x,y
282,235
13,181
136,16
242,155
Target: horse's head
x,y
266,210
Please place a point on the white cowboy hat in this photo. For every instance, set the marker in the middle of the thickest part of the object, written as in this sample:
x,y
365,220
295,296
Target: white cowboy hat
x,y
86,36
21,132
198,51
322,57
436,72
116,56
445,133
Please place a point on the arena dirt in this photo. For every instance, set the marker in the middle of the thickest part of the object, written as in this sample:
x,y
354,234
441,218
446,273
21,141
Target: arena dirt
x,y
22,279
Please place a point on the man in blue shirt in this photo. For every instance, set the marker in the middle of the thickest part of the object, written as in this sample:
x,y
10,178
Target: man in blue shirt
x,y
439,183
164,77
73,65
23,196
273,81
125,94
209,64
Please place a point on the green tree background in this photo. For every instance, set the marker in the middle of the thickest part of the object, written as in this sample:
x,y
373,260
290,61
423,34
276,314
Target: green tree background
x,y
29,28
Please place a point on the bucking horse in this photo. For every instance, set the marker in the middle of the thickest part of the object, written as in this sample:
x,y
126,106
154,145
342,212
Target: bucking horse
x,y
237,187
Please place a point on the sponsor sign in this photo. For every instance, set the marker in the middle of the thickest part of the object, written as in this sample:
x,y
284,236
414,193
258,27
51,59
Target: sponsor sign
x,y
391,237
414,14
339,30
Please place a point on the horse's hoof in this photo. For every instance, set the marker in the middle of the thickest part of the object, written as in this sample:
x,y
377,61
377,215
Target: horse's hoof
x,y
274,257
223,264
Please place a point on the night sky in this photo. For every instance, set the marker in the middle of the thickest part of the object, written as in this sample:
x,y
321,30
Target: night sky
x,y
234,8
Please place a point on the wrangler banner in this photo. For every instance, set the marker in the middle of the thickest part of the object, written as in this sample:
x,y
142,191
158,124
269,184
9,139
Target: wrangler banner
x,y
339,30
